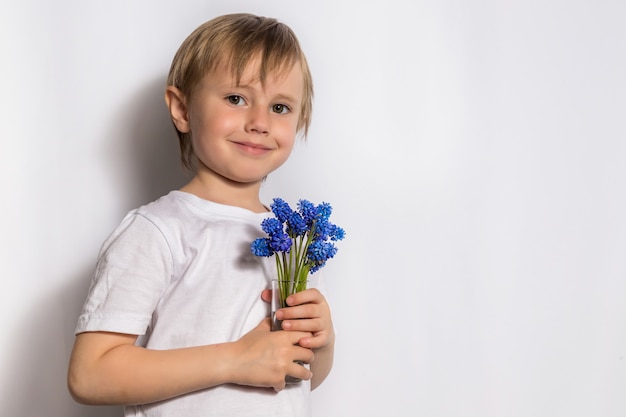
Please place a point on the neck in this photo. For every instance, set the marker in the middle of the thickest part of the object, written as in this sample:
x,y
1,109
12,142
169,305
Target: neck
x,y
224,191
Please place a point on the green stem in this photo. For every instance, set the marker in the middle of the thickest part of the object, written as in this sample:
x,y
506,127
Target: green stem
x,y
292,267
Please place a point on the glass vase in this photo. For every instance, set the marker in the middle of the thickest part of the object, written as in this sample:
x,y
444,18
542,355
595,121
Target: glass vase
x,y
281,289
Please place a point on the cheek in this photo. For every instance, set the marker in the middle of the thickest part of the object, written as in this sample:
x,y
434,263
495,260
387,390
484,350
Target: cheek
x,y
286,143
287,146
211,126
288,133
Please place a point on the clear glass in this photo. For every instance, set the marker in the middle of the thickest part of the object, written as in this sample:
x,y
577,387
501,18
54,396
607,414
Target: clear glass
x,y
280,291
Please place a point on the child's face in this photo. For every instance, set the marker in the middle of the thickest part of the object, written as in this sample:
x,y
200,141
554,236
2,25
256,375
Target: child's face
x,y
244,132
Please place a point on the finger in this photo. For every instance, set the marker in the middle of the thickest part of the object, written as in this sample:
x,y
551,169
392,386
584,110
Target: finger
x,y
313,342
295,336
311,295
298,371
280,386
303,311
266,295
304,325
303,354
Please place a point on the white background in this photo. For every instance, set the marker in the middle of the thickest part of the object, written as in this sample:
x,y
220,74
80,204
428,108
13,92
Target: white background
x,y
473,151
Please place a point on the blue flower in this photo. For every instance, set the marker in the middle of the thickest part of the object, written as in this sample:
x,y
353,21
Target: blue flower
x,y
271,226
308,211
336,232
320,251
281,209
324,210
306,234
260,247
322,229
296,226
280,242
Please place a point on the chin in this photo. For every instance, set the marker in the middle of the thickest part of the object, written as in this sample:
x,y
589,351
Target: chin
x,y
248,180
251,178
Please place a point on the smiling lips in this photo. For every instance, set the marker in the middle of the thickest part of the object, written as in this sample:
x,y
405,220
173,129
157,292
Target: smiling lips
x,y
253,148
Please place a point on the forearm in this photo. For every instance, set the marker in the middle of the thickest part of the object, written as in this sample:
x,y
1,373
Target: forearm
x,y
107,368
128,374
323,363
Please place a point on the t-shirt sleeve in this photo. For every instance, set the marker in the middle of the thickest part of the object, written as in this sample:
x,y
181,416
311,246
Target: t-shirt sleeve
x,y
133,271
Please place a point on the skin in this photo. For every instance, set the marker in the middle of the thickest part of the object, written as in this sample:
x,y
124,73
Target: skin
x,y
240,135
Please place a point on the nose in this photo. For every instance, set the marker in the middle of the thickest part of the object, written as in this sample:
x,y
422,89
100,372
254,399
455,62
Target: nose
x,y
258,120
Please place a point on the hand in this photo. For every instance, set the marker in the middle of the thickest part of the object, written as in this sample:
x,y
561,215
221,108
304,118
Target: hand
x,y
266,357
309,312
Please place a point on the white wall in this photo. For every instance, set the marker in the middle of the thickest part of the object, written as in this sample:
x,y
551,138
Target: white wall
x,y
473,151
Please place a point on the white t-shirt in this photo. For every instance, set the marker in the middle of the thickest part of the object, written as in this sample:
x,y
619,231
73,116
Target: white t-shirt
x,y
179,273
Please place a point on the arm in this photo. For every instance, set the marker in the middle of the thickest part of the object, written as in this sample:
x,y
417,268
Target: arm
x,y
107,368
309,312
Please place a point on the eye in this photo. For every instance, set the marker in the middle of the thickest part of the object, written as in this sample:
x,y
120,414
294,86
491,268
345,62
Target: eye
x,y
281,108
236,100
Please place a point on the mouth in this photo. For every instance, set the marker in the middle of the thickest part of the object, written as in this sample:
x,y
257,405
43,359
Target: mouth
x,y
252,148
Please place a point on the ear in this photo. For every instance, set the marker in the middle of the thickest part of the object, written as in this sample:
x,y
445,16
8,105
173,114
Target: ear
x,y
177,105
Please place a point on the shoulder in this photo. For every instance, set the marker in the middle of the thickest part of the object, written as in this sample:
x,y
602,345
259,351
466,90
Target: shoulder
x,y
143,227
169,205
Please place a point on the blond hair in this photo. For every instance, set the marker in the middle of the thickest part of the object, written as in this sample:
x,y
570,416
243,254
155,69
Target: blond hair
x,y
237,39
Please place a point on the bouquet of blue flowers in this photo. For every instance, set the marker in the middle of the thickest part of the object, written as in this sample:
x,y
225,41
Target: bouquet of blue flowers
x,y
301,240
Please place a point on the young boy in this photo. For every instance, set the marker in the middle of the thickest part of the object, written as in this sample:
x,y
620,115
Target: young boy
x,y
175,322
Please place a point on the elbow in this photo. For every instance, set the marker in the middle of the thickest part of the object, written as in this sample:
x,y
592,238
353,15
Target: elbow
x,y
75,388
78,388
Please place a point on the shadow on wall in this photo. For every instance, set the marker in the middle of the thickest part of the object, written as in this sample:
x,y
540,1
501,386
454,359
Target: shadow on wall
x,y
38,384
142,152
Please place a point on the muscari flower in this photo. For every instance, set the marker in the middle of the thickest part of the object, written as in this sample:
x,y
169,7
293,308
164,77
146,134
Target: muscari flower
x,y
324,210
271,226
280,242
320,251
261,247
304,234
296,225
281,209
308,210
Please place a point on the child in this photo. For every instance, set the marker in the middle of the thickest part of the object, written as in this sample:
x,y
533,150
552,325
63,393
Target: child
x,y
175,322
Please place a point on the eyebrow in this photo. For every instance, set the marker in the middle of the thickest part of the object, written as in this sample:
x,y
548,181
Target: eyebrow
x,y
288,98
280,96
